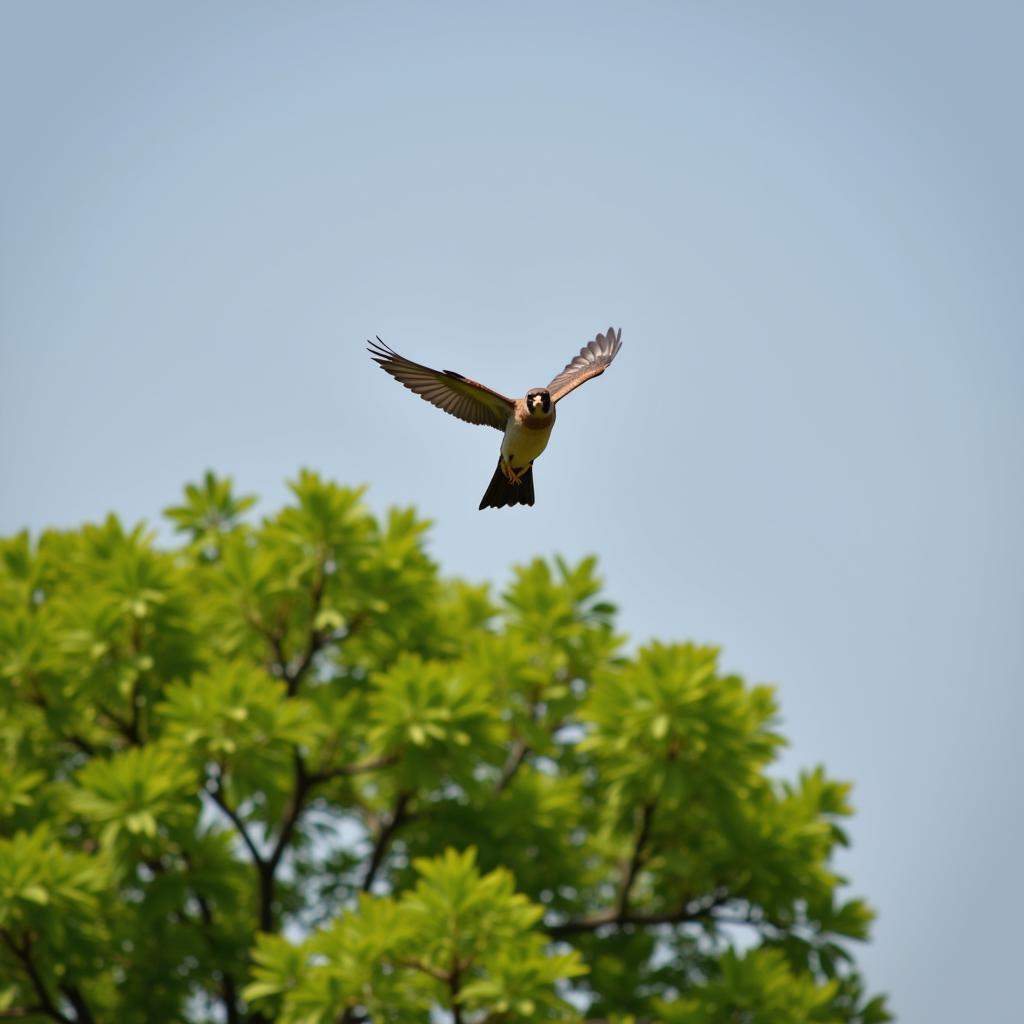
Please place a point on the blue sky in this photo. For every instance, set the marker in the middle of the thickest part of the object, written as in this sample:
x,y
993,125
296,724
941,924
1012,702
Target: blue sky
x,y
807,219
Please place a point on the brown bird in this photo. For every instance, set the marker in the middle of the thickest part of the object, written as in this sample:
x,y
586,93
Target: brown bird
x,y
525,422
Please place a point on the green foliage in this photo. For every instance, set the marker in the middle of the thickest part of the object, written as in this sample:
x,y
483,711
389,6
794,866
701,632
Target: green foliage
x,y
759,988
287,772
455,938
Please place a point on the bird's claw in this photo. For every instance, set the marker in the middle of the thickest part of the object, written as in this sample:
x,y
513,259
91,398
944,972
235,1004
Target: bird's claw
x,y
510,474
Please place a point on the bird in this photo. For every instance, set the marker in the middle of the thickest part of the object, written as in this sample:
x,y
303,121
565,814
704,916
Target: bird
x,y
525,422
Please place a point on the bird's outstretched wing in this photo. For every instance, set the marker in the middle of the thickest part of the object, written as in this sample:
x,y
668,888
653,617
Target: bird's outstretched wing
x,y
594,358
446,389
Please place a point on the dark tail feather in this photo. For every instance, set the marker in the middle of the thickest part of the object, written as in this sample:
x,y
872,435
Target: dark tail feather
x,y
501,491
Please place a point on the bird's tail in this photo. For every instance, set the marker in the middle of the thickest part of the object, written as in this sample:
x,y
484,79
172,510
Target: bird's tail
x,y
502,491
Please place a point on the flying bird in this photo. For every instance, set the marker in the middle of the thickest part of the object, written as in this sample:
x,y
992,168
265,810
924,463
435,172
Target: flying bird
x,y
525,422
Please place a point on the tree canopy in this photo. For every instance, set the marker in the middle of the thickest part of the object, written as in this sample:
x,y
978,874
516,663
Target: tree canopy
x,y
287,771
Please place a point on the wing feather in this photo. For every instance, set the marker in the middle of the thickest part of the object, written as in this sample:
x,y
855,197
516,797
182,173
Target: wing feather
x,y
446,389
595,357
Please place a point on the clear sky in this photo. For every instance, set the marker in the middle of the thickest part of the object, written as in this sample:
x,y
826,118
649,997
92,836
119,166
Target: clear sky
x,y
807,219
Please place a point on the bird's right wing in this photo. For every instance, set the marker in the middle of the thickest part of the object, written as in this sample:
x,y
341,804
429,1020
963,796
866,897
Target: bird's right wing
x,y
595,357
446,389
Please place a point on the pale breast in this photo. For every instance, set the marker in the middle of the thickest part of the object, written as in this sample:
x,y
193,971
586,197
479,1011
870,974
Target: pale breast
x,y
525,438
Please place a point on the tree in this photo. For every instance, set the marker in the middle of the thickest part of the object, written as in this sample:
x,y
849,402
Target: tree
x,y
288,772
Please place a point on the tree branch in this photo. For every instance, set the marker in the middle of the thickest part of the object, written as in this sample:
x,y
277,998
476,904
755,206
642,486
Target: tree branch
x,y
520,748
692,910
315,639
268,866
303,784
418,965
229,997
360,768
126,729
636,859
74,996
384,833
79,741
515,759
38,698
228,985
134,732
218,799
454,987
24,955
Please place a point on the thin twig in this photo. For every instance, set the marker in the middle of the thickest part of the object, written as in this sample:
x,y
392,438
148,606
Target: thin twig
x,y
692,910
637,857
38,698
515,759
520,748
360,768
418,965
314,640
123,727
228,985
398,817
136,695
218,799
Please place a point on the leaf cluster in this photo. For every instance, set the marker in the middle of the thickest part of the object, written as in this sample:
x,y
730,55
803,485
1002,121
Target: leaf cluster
x,y
287,771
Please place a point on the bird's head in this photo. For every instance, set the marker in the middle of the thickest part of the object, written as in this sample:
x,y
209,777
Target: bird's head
x,y
538,401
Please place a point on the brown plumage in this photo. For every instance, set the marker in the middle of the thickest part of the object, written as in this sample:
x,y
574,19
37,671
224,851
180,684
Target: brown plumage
x,y
448,390
525,422
595,357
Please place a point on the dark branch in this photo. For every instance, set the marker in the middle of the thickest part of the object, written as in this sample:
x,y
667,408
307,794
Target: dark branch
x,y
303,784
515,758
276,642
384,834
693,910
305,781
636,859
360,768
229,996
24,955
134,731
80,742
126,729
218,799
416,964
454,987
228,985
520,748
38,698
82,1012
133,734
314,641
269,865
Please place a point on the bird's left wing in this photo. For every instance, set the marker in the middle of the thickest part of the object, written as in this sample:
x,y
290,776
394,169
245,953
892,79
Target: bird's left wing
x,y
446,389
595,357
